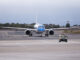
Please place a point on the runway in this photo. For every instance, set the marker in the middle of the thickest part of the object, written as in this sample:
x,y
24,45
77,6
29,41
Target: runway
x,y
20,35
15,45
39,50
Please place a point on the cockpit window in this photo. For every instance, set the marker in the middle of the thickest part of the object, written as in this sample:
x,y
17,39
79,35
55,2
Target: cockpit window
x,y
41,26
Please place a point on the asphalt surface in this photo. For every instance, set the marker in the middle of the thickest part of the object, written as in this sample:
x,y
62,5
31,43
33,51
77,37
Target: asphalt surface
x,y
39,50
15,45
20,35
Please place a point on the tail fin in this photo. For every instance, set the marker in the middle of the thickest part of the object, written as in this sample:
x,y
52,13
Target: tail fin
x,y
36,20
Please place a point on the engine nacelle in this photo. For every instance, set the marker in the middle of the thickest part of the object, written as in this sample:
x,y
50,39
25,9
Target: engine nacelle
x,y
51,32
28,32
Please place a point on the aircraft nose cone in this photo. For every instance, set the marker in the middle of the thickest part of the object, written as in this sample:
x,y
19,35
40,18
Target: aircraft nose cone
x,y
41,29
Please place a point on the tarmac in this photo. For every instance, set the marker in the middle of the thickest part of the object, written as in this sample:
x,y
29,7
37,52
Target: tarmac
x,y
15,45
20,35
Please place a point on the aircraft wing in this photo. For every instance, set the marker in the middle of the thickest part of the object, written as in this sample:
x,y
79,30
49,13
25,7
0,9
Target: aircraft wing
x,y
31,29
48,29
36,29
13,28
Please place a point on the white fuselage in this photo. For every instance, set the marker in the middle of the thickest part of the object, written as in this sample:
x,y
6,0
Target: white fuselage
x,y
39,27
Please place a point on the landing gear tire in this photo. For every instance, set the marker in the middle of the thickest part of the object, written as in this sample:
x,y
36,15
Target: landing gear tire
x,y
66,40
30,35
46,35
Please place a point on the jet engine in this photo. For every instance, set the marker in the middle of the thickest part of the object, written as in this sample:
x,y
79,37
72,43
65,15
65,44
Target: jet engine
x,y
28,32
51,32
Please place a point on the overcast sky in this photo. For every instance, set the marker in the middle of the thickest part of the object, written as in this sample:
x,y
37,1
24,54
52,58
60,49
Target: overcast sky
x,y
47,11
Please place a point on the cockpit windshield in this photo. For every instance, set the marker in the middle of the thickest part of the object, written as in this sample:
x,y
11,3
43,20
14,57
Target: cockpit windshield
x,y
41,27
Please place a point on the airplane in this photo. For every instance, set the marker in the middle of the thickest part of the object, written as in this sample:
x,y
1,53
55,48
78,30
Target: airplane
x,y
39,29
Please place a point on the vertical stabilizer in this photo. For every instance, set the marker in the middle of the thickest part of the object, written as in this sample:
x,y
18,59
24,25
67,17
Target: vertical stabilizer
x,y
36,19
